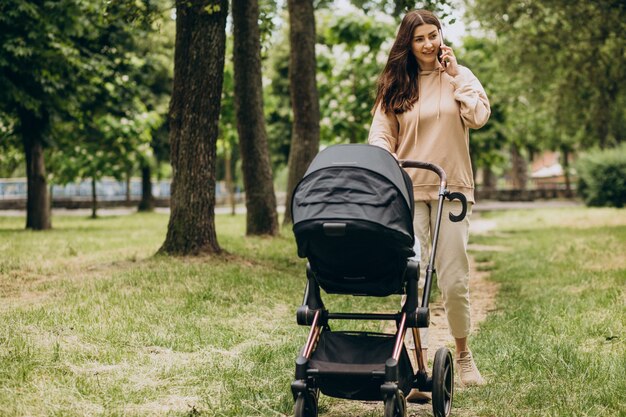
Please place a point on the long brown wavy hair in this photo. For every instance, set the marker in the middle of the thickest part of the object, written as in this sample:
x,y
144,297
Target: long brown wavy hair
x,y
397,87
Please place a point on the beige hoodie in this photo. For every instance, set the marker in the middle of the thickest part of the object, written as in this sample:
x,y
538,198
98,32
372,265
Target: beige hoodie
x,y
447,108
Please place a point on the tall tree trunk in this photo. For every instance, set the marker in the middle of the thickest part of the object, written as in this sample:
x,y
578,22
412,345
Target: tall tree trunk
x,y
305,135
194,114
147,200
37,198
94,199
230,184
519,168
261,216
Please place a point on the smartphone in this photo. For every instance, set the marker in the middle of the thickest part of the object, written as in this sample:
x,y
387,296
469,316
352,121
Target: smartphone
x,y
443,63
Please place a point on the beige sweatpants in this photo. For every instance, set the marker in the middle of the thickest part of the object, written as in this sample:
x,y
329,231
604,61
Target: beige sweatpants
x,y
451,262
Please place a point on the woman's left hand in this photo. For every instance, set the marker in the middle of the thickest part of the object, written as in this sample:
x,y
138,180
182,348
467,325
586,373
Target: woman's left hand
x,y
447,56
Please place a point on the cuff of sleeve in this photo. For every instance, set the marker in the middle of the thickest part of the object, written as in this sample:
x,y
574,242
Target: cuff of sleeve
x,y
460,80
381,143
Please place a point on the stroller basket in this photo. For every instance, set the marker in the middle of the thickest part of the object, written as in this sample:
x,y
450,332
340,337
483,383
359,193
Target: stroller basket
x,y
351,365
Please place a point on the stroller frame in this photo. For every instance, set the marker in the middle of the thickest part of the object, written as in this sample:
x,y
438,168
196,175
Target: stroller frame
x,y
413,315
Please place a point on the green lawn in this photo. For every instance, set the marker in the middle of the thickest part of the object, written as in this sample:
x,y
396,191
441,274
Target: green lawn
x,y
92,323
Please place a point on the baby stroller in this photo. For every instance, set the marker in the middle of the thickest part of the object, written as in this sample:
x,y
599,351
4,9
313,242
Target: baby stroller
x,y
353,221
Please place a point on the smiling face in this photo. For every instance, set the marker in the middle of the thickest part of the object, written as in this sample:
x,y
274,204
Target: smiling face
x,y
425,45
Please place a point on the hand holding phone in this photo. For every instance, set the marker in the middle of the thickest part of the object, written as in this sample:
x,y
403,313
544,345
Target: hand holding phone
x,y
447,58
442,44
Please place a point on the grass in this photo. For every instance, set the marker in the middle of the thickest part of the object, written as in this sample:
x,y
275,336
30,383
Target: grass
x,y
92,323
557,344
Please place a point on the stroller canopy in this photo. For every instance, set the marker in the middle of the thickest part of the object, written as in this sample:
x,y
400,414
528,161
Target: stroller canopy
x,y
367,157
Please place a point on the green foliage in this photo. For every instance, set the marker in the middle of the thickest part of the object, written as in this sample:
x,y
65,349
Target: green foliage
x,y
101,72
486,144
352,50
277,100
557,63
602,177
398,7
40,59
11,154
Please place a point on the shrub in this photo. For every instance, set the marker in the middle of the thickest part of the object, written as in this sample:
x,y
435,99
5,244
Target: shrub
x,y
602,177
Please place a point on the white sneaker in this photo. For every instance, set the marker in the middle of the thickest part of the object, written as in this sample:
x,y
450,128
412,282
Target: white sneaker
x,y
468,372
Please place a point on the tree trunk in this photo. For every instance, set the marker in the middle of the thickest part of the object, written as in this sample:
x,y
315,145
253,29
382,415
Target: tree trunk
x,y
147,201
519,168
261,216
305,136
568,181
94,199
230,185
37,198
489,179
128,175
194,114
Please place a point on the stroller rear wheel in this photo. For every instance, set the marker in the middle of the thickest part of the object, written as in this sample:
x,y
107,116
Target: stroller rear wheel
x,y
306,404
443,382
395,405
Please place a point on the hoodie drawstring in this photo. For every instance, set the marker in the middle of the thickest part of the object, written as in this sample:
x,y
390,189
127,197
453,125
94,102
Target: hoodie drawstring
x,y
419,107
419,103
439,101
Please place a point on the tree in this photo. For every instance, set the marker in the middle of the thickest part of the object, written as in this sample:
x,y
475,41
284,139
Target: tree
x,y
106,146
39,59
194,117
304,96
227,149
111,128
562,56
261,216
155,80
68,74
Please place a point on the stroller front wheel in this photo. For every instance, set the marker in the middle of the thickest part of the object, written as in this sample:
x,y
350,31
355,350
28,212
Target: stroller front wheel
x,y
443,382
395,405
306,404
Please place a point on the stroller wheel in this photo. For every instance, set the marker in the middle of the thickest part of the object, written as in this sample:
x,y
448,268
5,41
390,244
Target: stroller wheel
x,y
395,405
443,382
306,404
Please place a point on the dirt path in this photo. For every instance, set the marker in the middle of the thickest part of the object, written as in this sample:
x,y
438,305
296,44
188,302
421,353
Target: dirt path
x,y
482,295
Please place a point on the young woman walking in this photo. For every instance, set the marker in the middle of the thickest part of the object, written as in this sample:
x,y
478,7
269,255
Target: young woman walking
x,y
425,105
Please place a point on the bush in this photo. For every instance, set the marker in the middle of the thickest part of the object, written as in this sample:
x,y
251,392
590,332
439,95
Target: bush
x,y
602,177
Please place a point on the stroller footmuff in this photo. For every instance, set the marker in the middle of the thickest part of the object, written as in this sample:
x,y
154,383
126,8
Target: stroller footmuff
x,y
353,221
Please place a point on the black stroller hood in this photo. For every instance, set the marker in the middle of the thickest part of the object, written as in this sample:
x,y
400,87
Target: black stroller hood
x,y
368,157
354,203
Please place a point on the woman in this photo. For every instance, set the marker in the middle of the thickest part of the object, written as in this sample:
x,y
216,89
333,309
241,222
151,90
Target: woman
x,y
425,105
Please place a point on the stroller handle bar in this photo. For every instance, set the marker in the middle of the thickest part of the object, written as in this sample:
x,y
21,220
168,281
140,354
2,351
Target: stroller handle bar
x,y
404,163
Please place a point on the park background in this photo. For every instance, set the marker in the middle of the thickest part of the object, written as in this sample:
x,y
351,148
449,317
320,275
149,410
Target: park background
x,y
207,97
86,90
